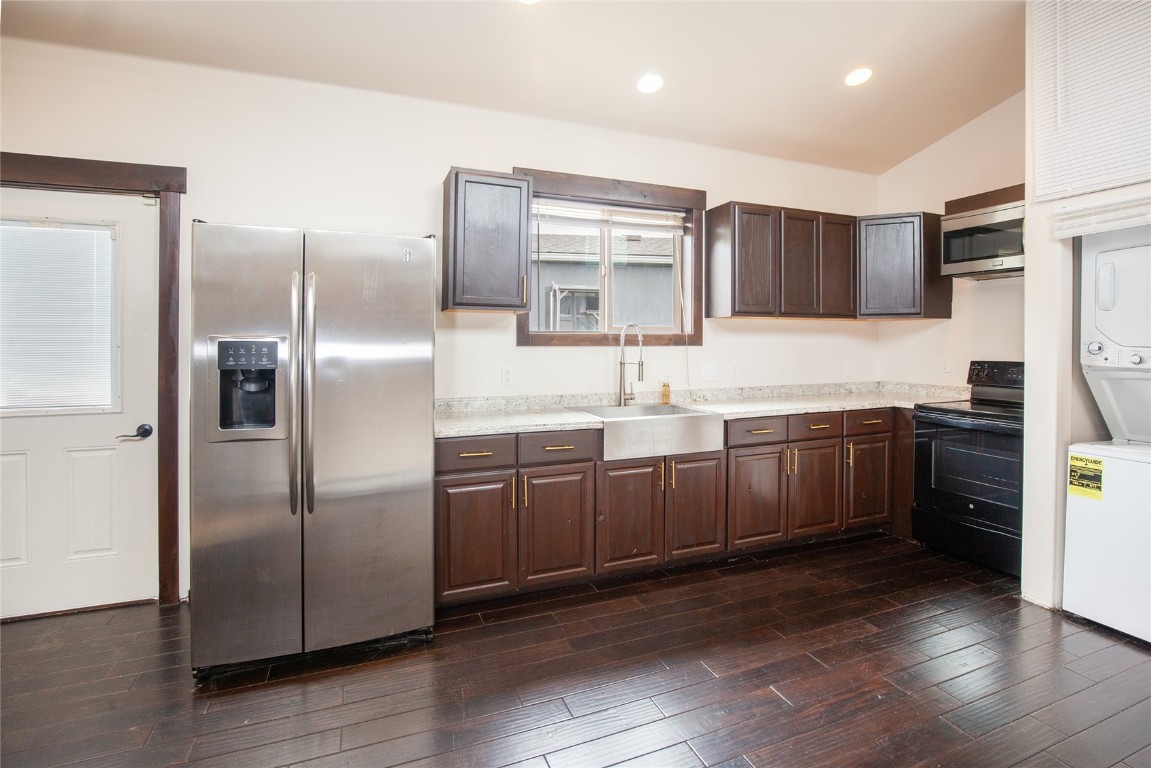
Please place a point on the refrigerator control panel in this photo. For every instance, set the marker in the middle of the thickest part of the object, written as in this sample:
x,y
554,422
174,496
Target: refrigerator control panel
x,y
238,354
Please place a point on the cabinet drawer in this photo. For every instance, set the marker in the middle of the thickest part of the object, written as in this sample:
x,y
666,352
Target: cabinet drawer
x,y
872,421
558,447
810,426
758,431
463,454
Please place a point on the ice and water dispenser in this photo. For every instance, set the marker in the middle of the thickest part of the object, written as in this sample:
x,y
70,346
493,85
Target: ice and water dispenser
x,y
247,390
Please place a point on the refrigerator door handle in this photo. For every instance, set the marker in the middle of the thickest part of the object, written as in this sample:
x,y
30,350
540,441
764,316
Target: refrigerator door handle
x,y
309,358
294,398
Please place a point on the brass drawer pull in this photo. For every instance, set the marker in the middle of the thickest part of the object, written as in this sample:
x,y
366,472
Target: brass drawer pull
x,y
761,431
474,454
874,421
513,482
559,447
850,454
819,426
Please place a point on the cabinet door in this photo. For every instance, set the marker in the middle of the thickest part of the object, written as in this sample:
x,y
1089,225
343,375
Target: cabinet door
x,y
757,496
815,487
755,269
696,511
486,245
867,493
475,536
629,515
557,508
891,266
836,265
799,262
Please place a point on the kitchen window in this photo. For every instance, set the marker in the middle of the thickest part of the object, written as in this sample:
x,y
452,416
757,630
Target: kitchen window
x,y
607,253
597,268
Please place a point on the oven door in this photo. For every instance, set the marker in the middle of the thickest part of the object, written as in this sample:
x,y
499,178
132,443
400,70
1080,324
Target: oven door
x,y
969,488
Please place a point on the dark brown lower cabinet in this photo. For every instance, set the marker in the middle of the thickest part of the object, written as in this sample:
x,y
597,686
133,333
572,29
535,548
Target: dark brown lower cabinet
x,y
629,514
556,524
696,506
867,484
815,487
757,496
655,510
475,536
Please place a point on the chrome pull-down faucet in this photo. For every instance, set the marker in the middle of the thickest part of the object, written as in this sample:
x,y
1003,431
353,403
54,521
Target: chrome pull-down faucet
x,y
624,397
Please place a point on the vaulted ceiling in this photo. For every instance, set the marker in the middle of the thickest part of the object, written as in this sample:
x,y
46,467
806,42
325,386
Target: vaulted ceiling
x,y
758,76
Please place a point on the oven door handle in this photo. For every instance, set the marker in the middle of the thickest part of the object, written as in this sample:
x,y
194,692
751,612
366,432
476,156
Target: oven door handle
x,y
969,422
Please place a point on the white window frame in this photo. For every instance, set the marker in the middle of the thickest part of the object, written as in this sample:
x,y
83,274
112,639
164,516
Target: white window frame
x,y
612,221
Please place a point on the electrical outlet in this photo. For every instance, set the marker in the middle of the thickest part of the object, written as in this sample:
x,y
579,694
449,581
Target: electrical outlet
x,y
734,371
710,372
506,376
945,365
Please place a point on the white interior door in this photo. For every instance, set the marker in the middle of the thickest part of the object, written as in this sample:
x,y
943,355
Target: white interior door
x,y
77,502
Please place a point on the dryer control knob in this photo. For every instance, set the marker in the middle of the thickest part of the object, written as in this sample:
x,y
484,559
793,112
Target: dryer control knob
x,y
1135,358
1094,348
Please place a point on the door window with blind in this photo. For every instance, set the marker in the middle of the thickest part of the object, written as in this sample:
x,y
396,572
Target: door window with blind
x,y
597,268
59,324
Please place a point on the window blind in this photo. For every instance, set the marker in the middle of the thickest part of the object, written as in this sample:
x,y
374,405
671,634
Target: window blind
x,y
58,330
1092,83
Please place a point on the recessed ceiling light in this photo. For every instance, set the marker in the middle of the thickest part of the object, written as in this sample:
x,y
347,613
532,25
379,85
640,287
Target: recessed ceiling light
x,y
858,77
649,83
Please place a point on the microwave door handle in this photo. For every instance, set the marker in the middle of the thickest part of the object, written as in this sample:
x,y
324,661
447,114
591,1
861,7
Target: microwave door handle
x,y
1105,287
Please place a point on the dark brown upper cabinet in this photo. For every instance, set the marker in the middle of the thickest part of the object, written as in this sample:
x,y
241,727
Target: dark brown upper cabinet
x,y
899,267
767,261
742,260
486,240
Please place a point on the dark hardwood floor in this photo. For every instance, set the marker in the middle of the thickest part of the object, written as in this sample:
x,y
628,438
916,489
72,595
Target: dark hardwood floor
x,y
868,652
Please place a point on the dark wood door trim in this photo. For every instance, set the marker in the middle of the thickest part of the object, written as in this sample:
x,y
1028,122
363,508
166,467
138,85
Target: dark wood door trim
x,y
167,183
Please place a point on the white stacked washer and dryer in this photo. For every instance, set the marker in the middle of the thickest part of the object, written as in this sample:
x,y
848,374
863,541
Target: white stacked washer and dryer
x,y
1107,560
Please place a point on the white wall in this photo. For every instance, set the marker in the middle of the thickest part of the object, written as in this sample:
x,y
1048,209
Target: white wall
x,y
987,316
270,151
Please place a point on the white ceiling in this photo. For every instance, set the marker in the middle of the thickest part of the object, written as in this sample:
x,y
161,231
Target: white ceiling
x,y
761,76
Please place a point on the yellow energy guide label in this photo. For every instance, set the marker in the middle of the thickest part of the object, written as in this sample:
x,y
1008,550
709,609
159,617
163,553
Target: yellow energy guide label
x,y
1085,476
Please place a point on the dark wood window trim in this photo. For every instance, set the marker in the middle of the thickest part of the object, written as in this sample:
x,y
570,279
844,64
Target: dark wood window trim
x,y
593,189
166,183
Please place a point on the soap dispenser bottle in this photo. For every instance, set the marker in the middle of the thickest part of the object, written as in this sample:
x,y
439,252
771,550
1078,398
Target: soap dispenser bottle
x,y
665,393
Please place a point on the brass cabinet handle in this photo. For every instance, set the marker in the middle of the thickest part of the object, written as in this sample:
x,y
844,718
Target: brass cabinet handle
x,y
474,454
874,421
559,447
661,470
673,475
795,467
787,460
524,289
513,482
819,426
850,453
525,483
761,431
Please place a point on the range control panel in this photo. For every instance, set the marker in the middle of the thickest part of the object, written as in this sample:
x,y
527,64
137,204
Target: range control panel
x,y
995,373
238,354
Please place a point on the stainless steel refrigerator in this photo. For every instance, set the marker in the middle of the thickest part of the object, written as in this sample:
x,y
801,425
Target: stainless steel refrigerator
x,y
311,440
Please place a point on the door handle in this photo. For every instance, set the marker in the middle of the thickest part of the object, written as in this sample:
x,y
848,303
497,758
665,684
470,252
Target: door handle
x,y
143,431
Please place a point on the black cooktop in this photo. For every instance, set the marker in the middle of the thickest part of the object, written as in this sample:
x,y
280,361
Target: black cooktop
x,y
1005,411
996,394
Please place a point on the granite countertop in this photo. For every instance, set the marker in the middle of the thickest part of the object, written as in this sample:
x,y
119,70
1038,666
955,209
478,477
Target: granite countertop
x,y
462,418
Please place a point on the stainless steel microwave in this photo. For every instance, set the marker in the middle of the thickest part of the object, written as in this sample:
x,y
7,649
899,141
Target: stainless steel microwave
x,y
985,243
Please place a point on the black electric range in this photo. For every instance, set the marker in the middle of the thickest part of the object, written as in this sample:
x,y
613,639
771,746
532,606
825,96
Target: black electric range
x,y
969,469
